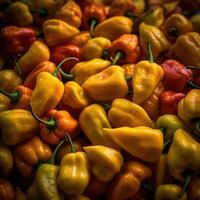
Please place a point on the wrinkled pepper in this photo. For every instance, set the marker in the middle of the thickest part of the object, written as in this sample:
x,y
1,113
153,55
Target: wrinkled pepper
x,y
17,126
5,103
104,166
134,141
29,154
7,191
193,189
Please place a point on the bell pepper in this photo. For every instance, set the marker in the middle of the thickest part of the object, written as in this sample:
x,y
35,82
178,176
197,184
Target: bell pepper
x,y
45,185
92,120
183,158
186,49
156,37
188,111
92,15
30,153
6,160
20,97
55,124
7,191
193,189
195,20
5,103
176,25
107,85
74,174
9,79
47,85
169,102
125,49
16,40
134,141
168,124
71,13
60,52
126,113
113,27
17,126
57,31
96,48
18,14
37,53
83,70
75,96
147,75
128,182
152,104
170,192
104,166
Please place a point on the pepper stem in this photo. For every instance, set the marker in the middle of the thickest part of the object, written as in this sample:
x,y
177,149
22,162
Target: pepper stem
x,y
18,68
129,14
43,12
61,63
119,55
67,76
105,54
13,96
106,106
149,52
71,143
192,85
93,22
193,67
51,123
128,78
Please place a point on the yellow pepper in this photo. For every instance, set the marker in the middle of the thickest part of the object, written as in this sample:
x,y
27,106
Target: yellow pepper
x,y
95,47
156,37
74,174
114,27
147,75
142,142
105,162
187,49
75,96
70,13
126,113
37,53
57,31
17,125
5,103
92,120
195,20
107,85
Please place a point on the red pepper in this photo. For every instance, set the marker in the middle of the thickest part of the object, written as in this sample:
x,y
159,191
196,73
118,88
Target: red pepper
x,y
169,102
16,40
55,125
177,77
58,53
125,49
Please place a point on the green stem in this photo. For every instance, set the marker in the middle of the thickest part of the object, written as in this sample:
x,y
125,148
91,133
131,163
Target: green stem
x,y
43,12
128,78
107,106
71,143
92,23
192,85
149,52
193,67
55,72
13,96
69,77
105,54
129,14
51,123
119,55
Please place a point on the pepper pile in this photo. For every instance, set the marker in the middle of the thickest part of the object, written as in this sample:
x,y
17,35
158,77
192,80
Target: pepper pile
x,y
99,100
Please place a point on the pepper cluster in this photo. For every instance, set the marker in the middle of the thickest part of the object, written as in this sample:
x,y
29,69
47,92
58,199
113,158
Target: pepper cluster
x,y
99,99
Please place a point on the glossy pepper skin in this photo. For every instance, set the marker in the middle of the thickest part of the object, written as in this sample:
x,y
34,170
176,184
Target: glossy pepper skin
x,y
134,141
126,48
18,14
169,102
37,53
186,49
7,191
113,27
17,126
127,183
170,192
71,13
104,166
16,40
6,160
92,120
107,85
57,31
29,154
126,113
5,103
193,189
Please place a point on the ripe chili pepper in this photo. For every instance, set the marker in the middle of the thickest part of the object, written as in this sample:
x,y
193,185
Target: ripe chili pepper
x,y
59,52
54,126
16,40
